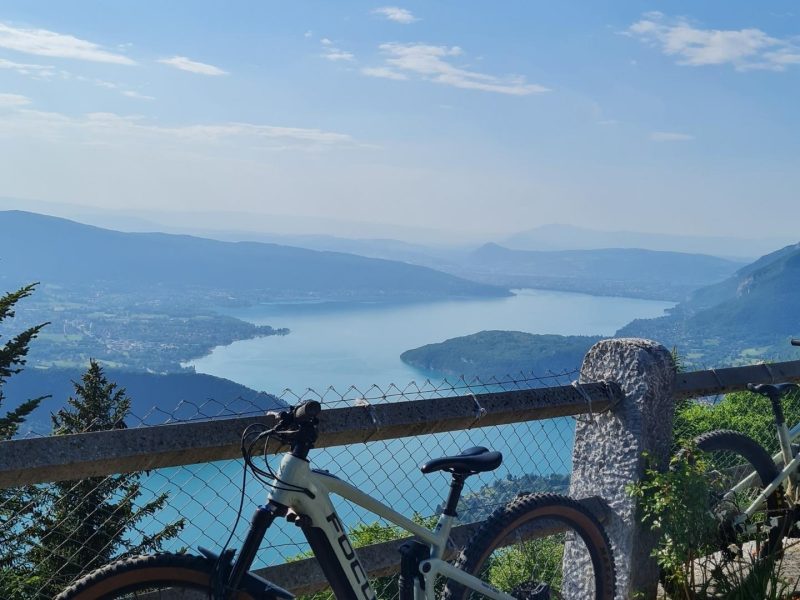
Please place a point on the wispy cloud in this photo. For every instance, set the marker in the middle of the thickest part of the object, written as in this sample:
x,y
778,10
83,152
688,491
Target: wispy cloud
x,y
744,49
434,63
383,72
192,66
670,136
30,70
113,129
137,95
333,53
13,100
396,14
49,43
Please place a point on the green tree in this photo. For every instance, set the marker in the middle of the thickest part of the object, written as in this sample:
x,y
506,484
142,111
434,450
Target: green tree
x,y
13,502
12,360
83,524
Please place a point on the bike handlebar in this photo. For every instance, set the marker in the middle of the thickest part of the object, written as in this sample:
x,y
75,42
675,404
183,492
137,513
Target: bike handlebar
x,y
306,411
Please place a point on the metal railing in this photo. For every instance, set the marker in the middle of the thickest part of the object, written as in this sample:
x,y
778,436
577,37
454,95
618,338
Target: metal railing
x,y
376,438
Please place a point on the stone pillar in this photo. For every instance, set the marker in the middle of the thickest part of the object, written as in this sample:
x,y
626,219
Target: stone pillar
x,y
607,456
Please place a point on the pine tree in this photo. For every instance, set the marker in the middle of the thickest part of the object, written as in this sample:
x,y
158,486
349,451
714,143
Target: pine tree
x,y
14,502
12,359
83,524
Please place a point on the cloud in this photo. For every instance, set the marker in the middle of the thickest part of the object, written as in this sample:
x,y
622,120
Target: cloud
x,y
744,49
670,136
383,72
30,70
113,129
308,34
192,66
137,95
433,63
396,14
49,43
13,100
333,53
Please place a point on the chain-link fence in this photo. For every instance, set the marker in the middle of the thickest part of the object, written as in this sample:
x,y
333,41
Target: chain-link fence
x,y
53,533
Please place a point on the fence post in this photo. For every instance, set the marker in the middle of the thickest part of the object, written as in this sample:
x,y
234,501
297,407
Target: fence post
x,y
607,456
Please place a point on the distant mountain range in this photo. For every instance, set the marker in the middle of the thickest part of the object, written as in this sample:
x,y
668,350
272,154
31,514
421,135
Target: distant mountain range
x,y
627,272
569,237
63,252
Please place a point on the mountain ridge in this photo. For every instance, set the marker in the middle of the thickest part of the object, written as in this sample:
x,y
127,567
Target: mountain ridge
x,y
61,251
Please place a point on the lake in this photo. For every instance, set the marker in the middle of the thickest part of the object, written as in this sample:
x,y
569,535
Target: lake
x,y
359,345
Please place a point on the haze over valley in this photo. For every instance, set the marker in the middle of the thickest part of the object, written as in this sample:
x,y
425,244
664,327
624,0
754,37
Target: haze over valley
x,y
157,303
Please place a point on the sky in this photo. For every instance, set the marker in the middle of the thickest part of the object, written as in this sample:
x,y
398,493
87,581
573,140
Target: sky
x,y
459,117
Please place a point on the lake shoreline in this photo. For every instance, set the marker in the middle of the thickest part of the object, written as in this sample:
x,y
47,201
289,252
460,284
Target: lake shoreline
x,y
358,344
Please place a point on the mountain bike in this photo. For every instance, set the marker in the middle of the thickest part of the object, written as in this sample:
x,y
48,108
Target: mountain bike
x,y
754,497
516,553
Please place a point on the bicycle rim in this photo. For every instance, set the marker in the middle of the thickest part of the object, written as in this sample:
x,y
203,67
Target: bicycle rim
x,y
157,577
540,547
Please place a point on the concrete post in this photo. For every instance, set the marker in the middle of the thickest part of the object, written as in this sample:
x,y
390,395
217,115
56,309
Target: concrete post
x,y
607,456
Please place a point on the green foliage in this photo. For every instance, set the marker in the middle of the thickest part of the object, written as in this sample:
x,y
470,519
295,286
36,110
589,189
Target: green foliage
x,y
80,525
745,412
12,359
677,360
497,353
533,560
675,504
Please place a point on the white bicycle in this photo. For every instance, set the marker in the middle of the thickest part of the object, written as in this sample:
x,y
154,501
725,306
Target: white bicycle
x,y
518,552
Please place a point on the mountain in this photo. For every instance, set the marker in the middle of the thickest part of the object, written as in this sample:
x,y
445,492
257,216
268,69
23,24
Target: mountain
x,y
613,271
748,316
155,399
62,252
568,237
498,353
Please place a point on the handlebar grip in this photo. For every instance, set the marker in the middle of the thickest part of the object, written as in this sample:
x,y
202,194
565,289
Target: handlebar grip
x,y
795,342
307,411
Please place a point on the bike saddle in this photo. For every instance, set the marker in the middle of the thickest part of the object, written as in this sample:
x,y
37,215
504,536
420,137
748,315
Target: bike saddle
x,y
772,391
470,461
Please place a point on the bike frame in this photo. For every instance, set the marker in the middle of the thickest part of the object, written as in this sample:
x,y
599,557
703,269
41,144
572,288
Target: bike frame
x,y
310,505
785,438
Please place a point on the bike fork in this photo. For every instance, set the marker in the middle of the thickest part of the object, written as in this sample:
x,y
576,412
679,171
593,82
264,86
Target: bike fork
x,y
261,521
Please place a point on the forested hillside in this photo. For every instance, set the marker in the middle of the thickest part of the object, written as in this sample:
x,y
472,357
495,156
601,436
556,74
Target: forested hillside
x,y
499,353
66,253
751,315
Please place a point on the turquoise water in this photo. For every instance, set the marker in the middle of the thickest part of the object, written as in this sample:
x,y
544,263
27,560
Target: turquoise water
x,y
360,345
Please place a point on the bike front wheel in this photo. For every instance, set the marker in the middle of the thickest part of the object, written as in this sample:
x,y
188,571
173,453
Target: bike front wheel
x,y
731,457
539,546
152,577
